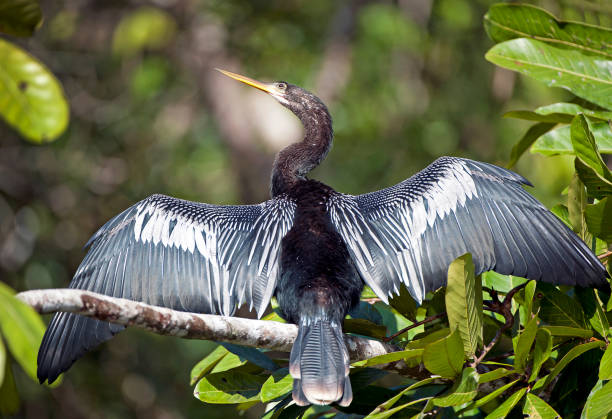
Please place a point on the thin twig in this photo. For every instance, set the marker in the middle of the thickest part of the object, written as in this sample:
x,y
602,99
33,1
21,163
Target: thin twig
x,y
412,326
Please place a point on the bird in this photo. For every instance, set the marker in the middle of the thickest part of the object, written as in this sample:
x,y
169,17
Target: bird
x,y
314,249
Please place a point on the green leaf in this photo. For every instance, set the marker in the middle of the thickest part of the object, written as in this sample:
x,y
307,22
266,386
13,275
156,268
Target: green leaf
x,y
494,375
9,398
20,17
553,118
277,385
559,309
463,391
538,408
494,394
532,134
562,213
571,110
501,283
229,387
206,364
605,366
599,402
559,140
384,407
572,354
228,362
252,355
509,21
444,357
390,357
530,289
541,352
388,413
586,148
22,328
576,205
145,28
557,67
505,408
599,219
597,186
522,344
593,310
569,331
404,304
31,99
464,303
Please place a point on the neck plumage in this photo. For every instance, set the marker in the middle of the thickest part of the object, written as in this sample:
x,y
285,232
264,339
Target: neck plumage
x,y
294,162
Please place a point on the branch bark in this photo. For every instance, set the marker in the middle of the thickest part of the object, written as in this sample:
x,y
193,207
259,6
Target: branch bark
x,y
255,333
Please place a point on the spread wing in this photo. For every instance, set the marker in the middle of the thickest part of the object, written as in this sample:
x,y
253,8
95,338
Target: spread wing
x,y
173,253
411,232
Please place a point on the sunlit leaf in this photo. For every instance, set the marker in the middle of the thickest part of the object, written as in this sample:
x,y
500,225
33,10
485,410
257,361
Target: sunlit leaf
x,y
388,413
206,364
505,408
586,148
586,76
144,28
464,390
538,408
599,219
494,375
572,354
31,98
509,21
22,328
559,141
228,362
569,331
20,17
528,139
522,344
445,356
541,351
464,303
573,109
605,365
553,118
277,385
229,387
599,402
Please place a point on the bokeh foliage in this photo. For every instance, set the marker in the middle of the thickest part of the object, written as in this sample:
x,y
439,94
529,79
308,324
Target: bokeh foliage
x,y
405,82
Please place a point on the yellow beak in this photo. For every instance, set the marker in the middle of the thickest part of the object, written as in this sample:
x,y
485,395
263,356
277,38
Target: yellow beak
x,y
266,87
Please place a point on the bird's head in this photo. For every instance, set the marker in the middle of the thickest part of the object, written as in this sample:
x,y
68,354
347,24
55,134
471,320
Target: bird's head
x,y
289,95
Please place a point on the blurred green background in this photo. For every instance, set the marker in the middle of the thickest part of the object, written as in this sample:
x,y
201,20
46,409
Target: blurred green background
x,y
405,81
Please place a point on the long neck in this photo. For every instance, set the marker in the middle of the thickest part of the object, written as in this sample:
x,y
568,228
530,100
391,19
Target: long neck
x,y
294,162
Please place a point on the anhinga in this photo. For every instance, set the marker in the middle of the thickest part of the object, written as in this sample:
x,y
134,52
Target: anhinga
x,y
314,249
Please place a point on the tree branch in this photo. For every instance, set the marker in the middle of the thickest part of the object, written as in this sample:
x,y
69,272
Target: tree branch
x,y
255,333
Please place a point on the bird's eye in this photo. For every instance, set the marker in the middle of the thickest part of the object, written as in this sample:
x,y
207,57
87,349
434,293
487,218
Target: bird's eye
x,y
281,85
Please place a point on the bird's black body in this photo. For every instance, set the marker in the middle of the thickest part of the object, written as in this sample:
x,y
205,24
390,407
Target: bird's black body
x,y
314,248
318,286
316,271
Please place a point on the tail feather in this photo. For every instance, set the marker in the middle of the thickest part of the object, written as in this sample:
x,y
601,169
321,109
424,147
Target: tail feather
x,y
319,364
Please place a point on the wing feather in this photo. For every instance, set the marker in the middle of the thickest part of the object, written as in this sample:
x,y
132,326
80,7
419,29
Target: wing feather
x,y
409,233
174,253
